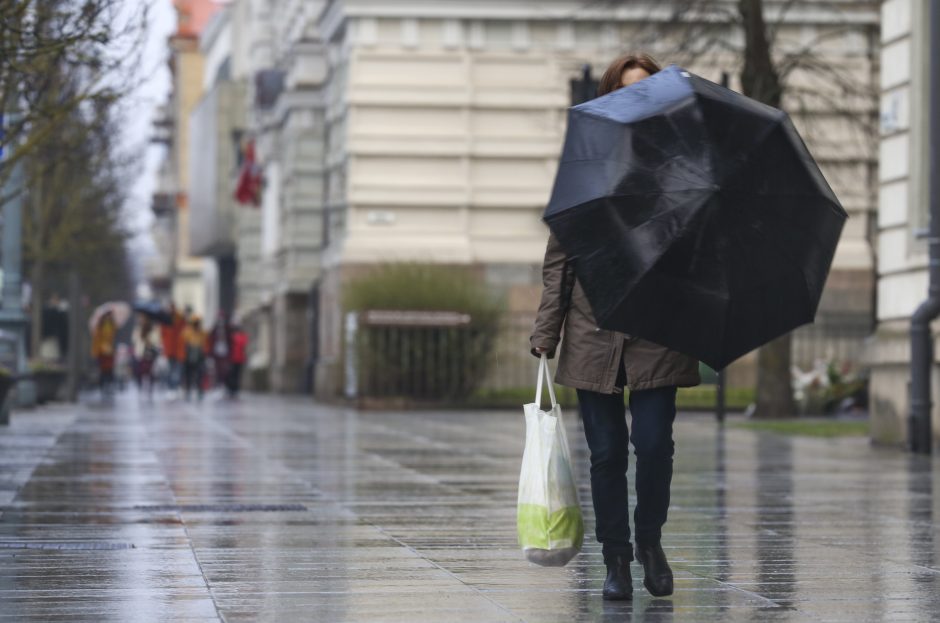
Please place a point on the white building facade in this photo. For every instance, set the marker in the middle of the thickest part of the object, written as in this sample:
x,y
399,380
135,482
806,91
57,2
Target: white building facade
x,y
276,51
902,214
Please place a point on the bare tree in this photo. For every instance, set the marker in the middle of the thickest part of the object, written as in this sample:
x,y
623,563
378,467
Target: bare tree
x,y
95,43
794,77
75,208
64,67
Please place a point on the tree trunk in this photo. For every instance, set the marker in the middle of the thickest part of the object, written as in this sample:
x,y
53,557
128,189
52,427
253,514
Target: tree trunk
x,y
37,279
760,81
75,344
774,387
759,78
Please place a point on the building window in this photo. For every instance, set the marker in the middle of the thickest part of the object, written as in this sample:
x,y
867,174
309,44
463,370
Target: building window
x,y
366,31
410,33
520,35
498,34
566,36
452,33
477,38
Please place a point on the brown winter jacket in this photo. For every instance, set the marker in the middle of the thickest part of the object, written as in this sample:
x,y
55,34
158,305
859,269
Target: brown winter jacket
x,y
590,357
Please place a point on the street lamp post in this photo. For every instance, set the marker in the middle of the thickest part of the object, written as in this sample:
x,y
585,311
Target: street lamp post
x,y
720,407
920,433
584,88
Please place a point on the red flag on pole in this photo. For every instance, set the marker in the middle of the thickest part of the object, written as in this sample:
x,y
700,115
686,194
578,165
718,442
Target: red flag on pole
x,y
248,189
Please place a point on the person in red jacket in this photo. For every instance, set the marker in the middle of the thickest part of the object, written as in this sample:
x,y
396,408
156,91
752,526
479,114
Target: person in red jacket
x,y
238,354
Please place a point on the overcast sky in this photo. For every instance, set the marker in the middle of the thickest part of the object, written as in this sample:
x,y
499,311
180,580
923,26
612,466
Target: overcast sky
x,y
139,115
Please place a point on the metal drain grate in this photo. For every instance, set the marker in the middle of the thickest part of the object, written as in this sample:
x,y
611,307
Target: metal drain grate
x,y
222,508
64,545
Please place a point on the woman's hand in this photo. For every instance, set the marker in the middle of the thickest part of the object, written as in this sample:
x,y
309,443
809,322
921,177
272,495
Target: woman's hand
x,y
540,351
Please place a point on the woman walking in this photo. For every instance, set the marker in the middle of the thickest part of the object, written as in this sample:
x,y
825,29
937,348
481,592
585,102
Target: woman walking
x,y
145,354
220,338
103,350
600,364
194,348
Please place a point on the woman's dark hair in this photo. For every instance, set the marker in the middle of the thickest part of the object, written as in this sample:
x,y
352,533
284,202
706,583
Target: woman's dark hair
x,y
610,81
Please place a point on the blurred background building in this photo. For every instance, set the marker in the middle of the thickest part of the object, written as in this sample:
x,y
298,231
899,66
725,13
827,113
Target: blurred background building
x,y
216,124
288,126
175,271
163,229
410,130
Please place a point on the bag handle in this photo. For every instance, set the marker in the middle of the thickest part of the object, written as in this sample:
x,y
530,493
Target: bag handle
x,y
544,375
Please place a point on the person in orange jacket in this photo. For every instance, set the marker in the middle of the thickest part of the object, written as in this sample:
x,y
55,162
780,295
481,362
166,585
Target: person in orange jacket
x,y
103,349
194,348
171,337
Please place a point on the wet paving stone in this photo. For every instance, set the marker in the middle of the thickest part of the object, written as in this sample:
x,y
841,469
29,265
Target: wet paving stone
x,y
276,509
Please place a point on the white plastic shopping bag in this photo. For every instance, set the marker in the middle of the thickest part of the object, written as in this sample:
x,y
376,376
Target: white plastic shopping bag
x,y
551,529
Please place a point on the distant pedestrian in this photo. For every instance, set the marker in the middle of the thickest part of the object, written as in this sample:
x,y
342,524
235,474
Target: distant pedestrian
x,y
600,364
123,365
194,348
103,350
239,352
171,336
220,348
145,356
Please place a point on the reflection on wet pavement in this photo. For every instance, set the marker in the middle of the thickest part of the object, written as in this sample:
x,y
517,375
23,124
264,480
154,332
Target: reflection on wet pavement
x,y
280,510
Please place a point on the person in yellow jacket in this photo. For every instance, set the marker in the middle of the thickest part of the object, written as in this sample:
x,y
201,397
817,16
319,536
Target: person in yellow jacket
x,y
103,348
194,353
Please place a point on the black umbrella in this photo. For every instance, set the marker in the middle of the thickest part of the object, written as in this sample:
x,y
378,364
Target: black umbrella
x,y
695,216
155,311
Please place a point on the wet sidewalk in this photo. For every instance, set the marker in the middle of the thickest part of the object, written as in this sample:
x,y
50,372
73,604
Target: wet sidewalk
x,y
279,510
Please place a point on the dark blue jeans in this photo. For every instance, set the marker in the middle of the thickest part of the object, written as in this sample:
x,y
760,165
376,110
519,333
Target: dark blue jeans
x,y
605,426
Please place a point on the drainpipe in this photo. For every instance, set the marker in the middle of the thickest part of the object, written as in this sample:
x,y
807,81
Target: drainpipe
x,y
920,435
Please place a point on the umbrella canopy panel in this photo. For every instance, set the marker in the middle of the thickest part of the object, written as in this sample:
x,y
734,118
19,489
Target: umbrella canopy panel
x,y
154,311
120,311
696,218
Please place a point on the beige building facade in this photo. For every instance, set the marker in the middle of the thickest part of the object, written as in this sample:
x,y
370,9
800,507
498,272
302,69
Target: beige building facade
x,y
902,215
445,120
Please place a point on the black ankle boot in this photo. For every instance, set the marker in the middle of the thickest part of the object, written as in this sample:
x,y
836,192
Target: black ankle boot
x,y
619,583
657,574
